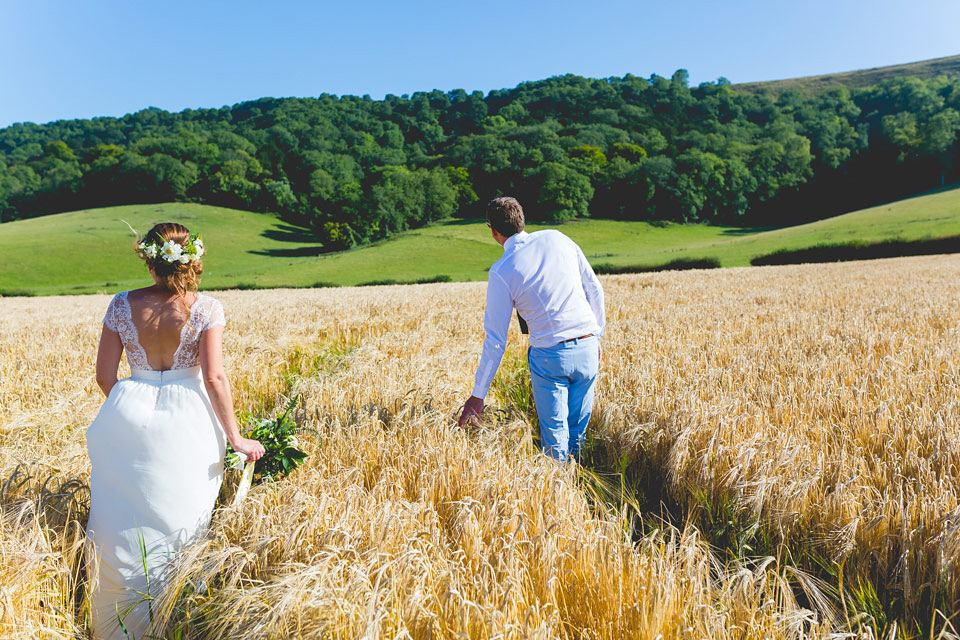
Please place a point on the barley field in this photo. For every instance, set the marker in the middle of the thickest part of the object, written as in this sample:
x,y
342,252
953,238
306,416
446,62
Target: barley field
x,y
774,454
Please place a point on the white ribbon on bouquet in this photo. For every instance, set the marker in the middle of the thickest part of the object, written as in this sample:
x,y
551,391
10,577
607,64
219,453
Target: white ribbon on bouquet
x,y
246,479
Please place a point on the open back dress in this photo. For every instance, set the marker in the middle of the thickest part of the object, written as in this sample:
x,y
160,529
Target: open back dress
x,y
156,451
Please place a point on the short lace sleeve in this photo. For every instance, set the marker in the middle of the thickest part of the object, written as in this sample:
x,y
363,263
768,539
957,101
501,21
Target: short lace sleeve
x,y
113,318
118,320
214,316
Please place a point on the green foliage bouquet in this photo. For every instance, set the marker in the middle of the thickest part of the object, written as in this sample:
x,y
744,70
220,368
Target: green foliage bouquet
x,y
282,450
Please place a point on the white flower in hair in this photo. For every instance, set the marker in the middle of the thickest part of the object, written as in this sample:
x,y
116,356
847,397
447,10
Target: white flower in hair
x,y
147,250
171,251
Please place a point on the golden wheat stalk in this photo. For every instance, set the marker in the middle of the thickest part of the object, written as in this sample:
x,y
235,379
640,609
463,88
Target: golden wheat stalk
x,y
806,414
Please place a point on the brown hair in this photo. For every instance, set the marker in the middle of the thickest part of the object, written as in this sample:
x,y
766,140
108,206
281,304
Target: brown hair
x,y
505,216
174,276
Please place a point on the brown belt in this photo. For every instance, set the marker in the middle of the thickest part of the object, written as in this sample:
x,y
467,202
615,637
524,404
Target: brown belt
x,y
589,335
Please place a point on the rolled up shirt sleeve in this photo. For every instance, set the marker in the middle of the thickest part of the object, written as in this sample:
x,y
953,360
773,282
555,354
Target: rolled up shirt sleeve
x,y
592,290
496,322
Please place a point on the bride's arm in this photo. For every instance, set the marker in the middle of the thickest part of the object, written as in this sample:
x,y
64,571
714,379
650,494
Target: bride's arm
x,y
108,359
218,388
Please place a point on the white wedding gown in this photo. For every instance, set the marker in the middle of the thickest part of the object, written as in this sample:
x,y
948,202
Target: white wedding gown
x,y
156,450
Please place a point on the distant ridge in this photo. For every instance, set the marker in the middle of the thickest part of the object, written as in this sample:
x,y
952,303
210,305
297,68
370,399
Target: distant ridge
x,y
949,66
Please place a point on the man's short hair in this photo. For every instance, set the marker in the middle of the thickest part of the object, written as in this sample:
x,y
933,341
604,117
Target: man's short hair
x,y
505,216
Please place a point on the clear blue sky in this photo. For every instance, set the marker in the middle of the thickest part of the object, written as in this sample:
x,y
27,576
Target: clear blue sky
x,y
62,59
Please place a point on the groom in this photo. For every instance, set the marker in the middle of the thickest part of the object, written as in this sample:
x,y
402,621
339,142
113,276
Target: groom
x,y
546,278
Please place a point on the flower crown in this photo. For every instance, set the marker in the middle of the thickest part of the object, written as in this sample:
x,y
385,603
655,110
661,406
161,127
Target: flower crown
x,y
172,251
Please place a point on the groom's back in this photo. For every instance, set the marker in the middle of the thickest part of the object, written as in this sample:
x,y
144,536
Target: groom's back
x,y
542,271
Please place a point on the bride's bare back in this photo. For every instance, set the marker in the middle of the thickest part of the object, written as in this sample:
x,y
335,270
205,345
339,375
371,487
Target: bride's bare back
x,y
159,317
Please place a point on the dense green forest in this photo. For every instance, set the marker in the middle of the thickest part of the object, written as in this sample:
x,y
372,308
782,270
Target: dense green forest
x,y
352,169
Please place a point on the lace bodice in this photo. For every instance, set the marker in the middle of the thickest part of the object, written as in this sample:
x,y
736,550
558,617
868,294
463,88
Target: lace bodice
x,y
206,312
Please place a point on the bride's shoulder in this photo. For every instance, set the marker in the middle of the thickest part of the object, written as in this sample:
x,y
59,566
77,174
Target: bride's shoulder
x,y
116,311
117,298
209,306
136,294
208,302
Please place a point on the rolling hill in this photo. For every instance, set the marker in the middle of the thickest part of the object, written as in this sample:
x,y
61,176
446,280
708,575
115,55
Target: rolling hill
x,y
91,251
949,66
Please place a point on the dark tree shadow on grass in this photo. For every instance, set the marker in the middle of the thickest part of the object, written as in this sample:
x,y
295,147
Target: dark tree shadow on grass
x,y
293,252
747,231
846,251
289,233
284,232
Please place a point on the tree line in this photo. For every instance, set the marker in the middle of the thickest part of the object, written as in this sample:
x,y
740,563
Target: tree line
x,y
353,169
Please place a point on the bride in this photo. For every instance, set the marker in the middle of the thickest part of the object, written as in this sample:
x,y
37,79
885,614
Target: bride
x,y
156,447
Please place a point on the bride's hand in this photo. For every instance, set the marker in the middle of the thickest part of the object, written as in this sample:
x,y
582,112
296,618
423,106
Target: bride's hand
x,y
250,448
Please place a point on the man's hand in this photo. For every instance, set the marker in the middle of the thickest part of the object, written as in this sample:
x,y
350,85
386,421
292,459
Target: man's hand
x,y
471,409
599,351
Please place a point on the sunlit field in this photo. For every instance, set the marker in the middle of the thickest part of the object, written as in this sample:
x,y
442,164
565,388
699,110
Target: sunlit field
x,y
774,454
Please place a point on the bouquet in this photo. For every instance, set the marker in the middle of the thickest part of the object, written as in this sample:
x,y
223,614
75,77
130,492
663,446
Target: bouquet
x,y
282,450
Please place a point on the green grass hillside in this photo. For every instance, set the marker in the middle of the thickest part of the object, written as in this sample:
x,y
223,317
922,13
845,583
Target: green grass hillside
x,y
934,215
949,66
91,251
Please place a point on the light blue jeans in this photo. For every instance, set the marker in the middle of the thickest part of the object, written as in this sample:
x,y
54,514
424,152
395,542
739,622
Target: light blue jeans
x,y
563,377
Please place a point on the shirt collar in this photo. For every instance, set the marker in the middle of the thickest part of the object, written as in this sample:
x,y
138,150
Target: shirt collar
x,y
514,239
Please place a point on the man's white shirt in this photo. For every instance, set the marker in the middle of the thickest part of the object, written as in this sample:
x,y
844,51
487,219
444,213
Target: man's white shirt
x,y
547,279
